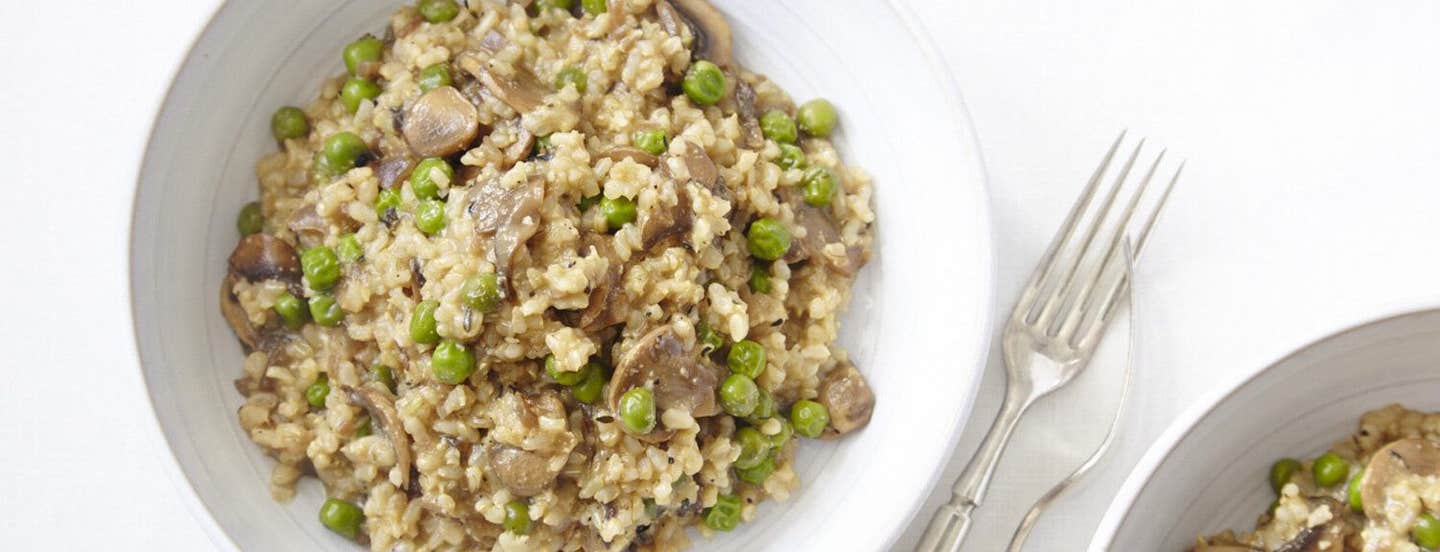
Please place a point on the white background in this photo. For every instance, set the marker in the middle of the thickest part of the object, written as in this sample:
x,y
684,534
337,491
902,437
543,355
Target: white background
x,y
1311,202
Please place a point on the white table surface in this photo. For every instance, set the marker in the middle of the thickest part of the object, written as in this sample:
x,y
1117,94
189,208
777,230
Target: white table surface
x,y
1311,202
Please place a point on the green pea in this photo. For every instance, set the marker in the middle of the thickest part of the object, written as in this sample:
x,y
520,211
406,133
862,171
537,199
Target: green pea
x,y
781,438
757,474
566,378
434,76
791,157
764,409
422,181
778,126
325,311
364,429
339,153
754,447
289,122
362,57
430,216
571,76
438,11
517,517
760,279
637,410
1281,471
543,6
1426,531
342,517
481,292
316,393
746,358
593,7
652,141
385,376
357,90
321,267
543,147
710,340
704,83
739,395
618,211
452,362
768,239
816,117
349,250
1330,469
809,418
818,186
250,220
591,386
422,323
1352,492
386,202
291,310
725,514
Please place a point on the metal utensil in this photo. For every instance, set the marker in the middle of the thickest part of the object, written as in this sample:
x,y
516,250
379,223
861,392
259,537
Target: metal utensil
x,y
1055,326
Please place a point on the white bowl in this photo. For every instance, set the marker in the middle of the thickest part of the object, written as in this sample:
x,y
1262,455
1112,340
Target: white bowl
x,y
918,326
1208,471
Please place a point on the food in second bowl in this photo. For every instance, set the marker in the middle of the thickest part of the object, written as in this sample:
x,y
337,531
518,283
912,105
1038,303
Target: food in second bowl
x,y
1377,491
547,276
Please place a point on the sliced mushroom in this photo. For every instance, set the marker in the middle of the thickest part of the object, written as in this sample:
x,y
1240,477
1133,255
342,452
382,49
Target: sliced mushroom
x,y
522,147
393,169
507,217
677,376
522,472
264,257
235,315
441,122
1414,456
635,154
521,91
820,231
706,24
308,226
749,118
381,408
848,398
1326,537
608,295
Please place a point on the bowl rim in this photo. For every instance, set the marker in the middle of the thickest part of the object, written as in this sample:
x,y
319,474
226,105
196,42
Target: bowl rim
x,y
1164,445
962,128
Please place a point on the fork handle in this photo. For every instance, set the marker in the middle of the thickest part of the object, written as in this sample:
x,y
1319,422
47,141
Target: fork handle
x,y
951,523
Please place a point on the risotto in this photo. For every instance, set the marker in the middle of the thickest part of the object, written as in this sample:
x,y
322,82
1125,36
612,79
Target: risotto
x,y
546,276
1377,491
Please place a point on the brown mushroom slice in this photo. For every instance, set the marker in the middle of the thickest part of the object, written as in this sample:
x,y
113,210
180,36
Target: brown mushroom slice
x,y
520,471
521,91
264,257
820,231
441,122
635,154
712,33
522,147
751,134
1326,537
308,226
235,315
607,296
508,217
392,169
848,398
1414,456
385,418
677,376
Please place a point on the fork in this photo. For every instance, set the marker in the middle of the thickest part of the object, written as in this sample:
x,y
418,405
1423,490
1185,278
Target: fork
x,y
1053,331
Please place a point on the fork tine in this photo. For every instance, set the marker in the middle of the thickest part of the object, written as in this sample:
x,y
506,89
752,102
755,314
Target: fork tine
x,y
1080,305
1047,261
1067,282
1117,291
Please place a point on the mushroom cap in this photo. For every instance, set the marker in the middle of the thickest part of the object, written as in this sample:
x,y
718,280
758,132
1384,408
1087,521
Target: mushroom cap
x,y
441,122
381,408
848,398
677,376
507,218
1398,459
522,472
264,257
521,91
712,34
